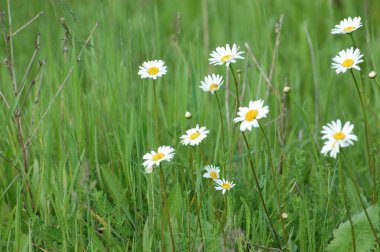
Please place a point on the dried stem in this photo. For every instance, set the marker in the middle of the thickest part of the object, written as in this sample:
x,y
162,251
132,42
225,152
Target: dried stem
x,y
27,23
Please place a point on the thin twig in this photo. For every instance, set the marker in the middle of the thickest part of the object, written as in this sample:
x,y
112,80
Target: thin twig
x,y
86,42
275,53
27,23
49,106
36,47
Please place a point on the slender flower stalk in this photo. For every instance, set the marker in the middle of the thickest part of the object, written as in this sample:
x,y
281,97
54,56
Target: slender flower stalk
x,y
222,128
236,88
165,207
260,191
343,189
361,93
157,136
274,177
372,170
195,197
362,203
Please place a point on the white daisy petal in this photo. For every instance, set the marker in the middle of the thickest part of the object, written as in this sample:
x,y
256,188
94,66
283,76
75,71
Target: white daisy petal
x,y
211,172
249,116
347,26
225,55
194,136
211,83
337,137
223,185
348,59
152,69
164,153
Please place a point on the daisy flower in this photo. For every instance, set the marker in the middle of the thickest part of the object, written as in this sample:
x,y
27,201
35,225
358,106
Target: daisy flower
x,y
211,172
248,116
211,83
347,25
224,185
152,69
331,146
164,153
347,59
342,136
226,55
194,136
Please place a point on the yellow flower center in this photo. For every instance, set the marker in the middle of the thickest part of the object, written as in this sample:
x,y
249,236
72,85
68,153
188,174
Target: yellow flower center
x,y
348,62
339,136
158,156
251,115
349,29
226,58
226,185
213,175
213,87
195,135
153,70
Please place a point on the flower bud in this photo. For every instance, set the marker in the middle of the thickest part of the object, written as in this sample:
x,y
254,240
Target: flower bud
x,y
284,216
372,75
286,89
188,115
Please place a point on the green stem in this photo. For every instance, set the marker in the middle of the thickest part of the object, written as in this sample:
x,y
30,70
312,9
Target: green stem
x,y
157,137
362,203
195,195
260,192
222,127
165,207
377,84
236,88
362,102
274,177
343,188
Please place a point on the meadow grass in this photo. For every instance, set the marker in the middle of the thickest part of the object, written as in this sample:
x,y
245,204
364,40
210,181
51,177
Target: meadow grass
x,y
86,118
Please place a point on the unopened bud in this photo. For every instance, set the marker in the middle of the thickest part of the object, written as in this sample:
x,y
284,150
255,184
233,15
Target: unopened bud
x,y
286,89
188,115
372,75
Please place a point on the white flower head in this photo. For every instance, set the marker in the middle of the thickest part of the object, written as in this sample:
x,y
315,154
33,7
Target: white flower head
x,y
347,59
343,136
347,25
248,116
211,83
152,69
224,185
164,153
226,55
331,146
194,136
211,172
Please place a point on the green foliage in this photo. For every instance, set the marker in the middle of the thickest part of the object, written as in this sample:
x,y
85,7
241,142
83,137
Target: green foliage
x,y
364,239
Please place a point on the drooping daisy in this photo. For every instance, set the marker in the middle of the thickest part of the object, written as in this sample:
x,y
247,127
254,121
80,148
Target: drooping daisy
x,y
347,59
248,116
211,172
342,136
164,153
152,69
224,185
211,83
194,136
347,25
226,55
330,146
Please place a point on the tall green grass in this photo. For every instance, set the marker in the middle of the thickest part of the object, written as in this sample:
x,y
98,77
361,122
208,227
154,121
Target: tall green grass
x,y
85,174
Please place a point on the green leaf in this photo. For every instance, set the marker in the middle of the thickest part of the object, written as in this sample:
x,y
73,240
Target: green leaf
x,y
364,237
